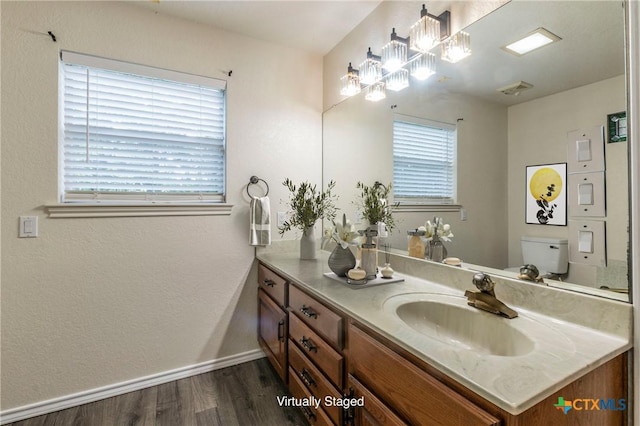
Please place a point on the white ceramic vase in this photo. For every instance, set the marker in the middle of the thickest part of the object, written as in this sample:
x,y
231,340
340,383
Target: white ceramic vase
x,y
308,244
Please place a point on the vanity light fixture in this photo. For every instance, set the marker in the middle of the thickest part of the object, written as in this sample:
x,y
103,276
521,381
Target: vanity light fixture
x,y
532,41
424,66
350,83
394,53
429,30
392,67
375,92
398,80
370,69
456,47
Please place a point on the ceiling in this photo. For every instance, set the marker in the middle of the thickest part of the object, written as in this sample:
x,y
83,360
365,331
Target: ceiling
x,y
313,26
591,48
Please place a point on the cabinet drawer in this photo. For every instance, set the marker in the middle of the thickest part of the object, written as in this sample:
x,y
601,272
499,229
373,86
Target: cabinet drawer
x,y
273,284
322,320
412,392
317,350
315,416
315,381
374,412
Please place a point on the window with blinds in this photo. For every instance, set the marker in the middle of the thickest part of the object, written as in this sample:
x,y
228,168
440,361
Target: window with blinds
x,y
424,161
139,134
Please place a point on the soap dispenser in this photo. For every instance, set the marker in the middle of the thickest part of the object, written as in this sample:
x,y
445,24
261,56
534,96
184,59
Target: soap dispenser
x,y
369,253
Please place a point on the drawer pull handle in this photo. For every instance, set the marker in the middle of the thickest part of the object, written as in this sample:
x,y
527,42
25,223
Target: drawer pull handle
x,y
281,331
306,378
350,413
308,344
308,312
308,413
269,283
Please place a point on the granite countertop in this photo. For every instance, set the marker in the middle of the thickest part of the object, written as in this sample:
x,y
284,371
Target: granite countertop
x,y
572,333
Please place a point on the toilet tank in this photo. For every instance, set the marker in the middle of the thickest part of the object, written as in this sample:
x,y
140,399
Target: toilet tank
x,y
550,255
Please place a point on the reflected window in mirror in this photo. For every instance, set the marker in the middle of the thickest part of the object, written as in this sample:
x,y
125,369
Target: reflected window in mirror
x,y
424,161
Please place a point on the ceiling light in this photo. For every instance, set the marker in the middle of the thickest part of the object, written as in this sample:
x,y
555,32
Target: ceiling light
x,y
370,70
534,40
398,80
456,47
375,92
428,31
424,66
350,83
394,53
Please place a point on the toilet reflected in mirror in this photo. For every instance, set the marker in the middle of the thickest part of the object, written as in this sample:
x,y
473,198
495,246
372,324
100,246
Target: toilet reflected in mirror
x,y
549,255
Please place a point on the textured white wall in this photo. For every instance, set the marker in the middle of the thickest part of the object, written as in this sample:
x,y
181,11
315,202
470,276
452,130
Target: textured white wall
x,y
93,302
538,135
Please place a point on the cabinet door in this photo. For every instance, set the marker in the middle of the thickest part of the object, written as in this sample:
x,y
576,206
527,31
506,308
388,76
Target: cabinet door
x,y
413,393
272,332
374,412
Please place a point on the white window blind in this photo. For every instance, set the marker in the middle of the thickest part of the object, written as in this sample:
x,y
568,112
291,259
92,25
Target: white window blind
x,y
140,134
424,161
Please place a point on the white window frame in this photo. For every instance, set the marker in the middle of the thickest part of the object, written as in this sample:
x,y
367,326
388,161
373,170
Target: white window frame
x,y
142,203
420,203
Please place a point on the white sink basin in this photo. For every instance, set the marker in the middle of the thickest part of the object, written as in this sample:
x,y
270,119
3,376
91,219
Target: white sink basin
x,y
450,320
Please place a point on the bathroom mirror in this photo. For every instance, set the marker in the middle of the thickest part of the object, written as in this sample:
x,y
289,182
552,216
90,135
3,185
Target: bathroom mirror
x,y
576,83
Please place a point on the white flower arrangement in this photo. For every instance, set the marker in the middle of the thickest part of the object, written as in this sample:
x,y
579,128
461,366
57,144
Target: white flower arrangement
x,y
439,228
344,233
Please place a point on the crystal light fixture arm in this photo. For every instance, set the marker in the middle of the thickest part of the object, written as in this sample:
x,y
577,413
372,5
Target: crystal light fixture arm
x,y
387,71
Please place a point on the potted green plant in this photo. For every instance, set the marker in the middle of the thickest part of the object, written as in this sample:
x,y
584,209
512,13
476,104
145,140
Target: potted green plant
x,y
374,204
306,205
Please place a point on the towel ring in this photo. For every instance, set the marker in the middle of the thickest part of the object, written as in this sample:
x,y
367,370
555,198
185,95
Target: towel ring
x,y
254,180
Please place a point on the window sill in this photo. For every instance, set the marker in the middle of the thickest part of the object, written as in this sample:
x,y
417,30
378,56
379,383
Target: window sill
x,y
410,208
136,210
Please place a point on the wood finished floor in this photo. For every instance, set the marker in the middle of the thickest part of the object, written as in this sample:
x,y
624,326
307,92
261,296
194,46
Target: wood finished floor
x,y
243,395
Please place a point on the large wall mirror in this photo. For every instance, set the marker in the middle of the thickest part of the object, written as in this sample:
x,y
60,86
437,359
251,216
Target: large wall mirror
x,y
576,83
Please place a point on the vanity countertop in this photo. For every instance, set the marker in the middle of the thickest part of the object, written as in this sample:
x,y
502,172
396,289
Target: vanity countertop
x,y
584,332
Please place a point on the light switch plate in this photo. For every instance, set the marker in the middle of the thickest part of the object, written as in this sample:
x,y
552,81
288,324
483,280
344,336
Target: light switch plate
x,y
587,242
585,150
28,227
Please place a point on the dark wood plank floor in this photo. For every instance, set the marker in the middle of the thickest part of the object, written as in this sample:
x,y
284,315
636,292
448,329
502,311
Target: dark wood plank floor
x,y
243,395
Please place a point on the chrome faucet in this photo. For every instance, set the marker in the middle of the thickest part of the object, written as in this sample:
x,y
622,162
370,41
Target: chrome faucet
x,y
486,299
530,273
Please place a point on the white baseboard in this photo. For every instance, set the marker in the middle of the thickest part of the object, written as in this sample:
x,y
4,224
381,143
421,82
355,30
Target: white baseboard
x,y
68,401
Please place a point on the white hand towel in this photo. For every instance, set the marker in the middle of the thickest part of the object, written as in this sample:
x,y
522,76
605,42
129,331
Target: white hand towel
x,y
259,221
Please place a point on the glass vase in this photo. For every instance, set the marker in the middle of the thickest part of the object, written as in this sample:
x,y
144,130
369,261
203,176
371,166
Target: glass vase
x,y
436,251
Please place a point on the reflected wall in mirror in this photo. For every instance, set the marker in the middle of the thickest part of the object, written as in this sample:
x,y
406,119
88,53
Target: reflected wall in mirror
x,y
576,81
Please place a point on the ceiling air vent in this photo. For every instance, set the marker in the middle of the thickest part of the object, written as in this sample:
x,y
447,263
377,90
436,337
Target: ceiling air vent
x,y
515,88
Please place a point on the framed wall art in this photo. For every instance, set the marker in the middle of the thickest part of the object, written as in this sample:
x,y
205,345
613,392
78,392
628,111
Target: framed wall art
x,y
546,194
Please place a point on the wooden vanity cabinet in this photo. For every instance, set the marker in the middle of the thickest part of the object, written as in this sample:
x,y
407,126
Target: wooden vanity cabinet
x,y
321,352
273,319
